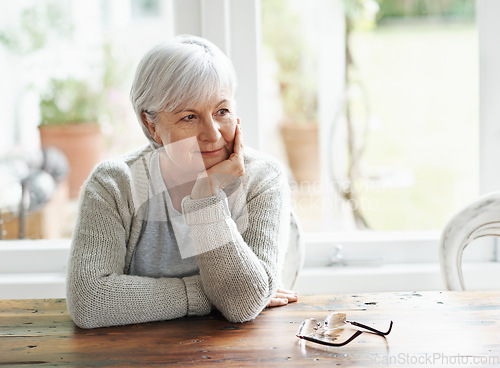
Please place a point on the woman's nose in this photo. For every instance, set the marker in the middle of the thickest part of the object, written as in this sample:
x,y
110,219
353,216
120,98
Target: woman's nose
x,y
210,131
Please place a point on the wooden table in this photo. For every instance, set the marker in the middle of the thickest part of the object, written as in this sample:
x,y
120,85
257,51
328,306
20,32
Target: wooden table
x,y
460,329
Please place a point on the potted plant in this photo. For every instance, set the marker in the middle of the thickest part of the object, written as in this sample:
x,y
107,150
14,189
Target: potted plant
x,y
297,86
299,129
69,111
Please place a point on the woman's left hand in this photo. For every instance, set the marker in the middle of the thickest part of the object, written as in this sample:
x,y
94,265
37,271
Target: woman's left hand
x,y
283,297
216,178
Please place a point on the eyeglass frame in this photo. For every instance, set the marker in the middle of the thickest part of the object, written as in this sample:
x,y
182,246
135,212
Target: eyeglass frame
x,y
355,335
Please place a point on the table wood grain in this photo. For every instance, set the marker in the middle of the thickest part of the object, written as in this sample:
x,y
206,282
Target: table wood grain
x,y
430,329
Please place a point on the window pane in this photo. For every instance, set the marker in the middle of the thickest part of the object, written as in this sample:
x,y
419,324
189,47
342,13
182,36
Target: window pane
x,y
404,148
89,46
421,160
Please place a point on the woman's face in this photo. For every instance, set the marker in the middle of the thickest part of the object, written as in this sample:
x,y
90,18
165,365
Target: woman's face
x,y
198,137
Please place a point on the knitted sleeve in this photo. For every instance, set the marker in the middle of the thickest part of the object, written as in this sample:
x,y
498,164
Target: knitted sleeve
x,y
99,293
240,271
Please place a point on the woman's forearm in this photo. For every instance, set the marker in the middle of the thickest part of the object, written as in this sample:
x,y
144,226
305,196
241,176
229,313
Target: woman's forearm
x,y
239,271
123,299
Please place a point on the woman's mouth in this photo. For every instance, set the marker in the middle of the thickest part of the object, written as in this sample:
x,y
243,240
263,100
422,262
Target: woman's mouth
x,y
213,153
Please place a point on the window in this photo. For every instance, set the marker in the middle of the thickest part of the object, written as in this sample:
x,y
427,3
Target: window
x,y
401,167
401,148
419,76
90,46
408,91
145,8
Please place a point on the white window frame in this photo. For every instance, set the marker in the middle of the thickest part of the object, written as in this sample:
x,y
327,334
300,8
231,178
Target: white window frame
x,y
234,26
488,12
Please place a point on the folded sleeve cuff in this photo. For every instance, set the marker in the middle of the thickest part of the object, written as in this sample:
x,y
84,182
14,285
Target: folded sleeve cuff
x,y
205,210
198,302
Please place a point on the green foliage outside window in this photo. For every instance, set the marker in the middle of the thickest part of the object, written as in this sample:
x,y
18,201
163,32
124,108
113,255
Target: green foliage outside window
x,y
69,101
446,9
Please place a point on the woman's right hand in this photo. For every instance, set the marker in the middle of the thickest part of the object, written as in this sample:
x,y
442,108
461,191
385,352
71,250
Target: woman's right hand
x,y
283,297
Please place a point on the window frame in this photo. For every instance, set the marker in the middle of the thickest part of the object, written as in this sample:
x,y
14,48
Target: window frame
x,y
234,26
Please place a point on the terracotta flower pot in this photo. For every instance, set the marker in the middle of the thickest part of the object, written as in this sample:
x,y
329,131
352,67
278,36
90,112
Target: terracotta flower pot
x,y
81,143
302,148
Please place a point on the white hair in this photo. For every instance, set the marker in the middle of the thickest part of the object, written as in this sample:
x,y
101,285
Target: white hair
x,y
179,74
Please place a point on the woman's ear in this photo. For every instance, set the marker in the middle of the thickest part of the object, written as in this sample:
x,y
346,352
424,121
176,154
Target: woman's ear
x,y
151,127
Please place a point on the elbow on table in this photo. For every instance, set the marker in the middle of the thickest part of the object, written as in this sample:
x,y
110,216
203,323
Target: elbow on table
x,y
83,313
84,323
243,303
83,319
83,309
243,310
241,317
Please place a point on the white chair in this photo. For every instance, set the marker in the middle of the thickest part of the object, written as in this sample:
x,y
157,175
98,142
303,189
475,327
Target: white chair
x,y
294,257
480,218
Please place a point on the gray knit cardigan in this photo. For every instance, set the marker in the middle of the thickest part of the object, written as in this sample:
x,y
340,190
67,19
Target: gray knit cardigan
x,y
237,276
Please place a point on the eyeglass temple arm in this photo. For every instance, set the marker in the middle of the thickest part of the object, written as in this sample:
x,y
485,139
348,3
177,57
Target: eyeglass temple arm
x,y
312,339
370,328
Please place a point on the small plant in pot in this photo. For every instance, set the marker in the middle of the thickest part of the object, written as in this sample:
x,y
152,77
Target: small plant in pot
x,y
299,128
69,112
69,101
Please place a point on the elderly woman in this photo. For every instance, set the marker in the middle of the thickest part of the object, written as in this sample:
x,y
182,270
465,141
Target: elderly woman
x,y
190,223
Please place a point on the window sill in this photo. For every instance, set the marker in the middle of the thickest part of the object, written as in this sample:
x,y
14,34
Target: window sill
x,y
324,249
391,277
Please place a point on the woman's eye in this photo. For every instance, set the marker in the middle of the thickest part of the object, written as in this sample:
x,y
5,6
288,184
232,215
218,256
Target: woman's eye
x,y
189,117
223,112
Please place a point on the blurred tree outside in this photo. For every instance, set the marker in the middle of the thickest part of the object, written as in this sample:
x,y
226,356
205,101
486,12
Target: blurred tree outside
x,y
444,9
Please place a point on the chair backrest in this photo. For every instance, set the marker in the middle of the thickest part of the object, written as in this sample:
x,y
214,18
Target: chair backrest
x,y
294,256
480,218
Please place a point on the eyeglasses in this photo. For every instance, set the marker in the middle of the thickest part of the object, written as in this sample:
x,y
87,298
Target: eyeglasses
x,y
330,332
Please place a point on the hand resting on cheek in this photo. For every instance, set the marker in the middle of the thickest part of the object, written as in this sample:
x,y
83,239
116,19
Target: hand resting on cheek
x,y
219,176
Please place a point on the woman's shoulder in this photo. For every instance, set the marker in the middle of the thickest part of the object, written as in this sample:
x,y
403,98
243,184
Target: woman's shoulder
x,y
125,162
262,166
122,171
130,158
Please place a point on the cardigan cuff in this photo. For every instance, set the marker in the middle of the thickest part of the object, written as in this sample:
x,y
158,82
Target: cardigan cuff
x,y
205,210
198,302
